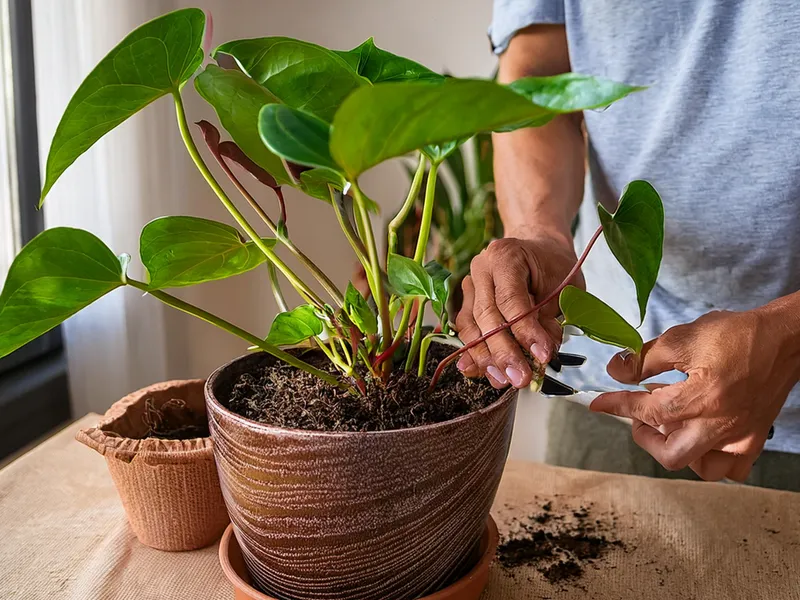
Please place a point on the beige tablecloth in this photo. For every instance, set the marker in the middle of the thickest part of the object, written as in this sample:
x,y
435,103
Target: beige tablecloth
x,y
63,535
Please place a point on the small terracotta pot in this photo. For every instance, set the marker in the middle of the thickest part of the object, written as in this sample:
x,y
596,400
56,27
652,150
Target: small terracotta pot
x,y
357,516
169,488
469,587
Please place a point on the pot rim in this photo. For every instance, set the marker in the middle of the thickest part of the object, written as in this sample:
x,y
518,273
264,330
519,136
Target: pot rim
x,y
506,397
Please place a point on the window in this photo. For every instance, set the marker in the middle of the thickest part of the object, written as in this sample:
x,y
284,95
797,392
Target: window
x,y
33,381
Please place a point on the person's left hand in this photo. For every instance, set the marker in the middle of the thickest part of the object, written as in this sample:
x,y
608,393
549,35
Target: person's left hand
x,y
741,367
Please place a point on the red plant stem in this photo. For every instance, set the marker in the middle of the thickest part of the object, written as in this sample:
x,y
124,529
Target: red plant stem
x,y
551,296
386,354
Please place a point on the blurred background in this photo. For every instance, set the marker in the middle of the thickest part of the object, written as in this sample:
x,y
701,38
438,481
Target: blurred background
x,y
141,171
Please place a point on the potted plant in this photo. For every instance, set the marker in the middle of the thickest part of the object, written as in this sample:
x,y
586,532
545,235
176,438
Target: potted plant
x,y
354,463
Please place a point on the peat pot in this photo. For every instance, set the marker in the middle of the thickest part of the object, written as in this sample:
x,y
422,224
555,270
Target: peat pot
x,y
169,488
358,516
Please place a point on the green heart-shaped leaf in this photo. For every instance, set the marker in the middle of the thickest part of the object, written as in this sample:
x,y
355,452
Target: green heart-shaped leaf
x,y
60,272
409,278
182,251
379,66
295,326
237,99
597,319
388,120
152,61
359,312
440,278
296,136
301,74
570,92
635,235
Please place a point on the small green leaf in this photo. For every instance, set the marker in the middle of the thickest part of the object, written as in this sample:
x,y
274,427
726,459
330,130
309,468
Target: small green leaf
x,y
635,235
388,120
295,326
60,272
359,312
570,92
301,74
237,99
409,278
597,319
296,136
440,278
379,66
152,61
182,251
316,181
438,152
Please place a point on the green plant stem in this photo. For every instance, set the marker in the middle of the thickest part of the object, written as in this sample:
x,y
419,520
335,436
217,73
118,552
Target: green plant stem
x,y
206,316
307,293
378,291
427,214
276,287
397,222
404,320
417,337
349,233
320,276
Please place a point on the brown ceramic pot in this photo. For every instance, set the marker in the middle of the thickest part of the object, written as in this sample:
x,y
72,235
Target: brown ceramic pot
x,y
358,516
169,488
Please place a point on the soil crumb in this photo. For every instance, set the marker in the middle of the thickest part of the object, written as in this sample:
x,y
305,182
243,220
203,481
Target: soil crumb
x,y
173,420
284,396
558,544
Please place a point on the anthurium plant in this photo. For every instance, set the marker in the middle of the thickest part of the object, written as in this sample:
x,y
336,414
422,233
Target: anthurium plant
x,y
300,115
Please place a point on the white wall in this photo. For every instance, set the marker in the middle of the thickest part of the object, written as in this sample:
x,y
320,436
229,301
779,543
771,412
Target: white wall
x,y
139,172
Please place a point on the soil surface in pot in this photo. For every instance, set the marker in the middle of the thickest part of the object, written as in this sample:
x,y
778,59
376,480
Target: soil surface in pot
x,y
173,420
559,544
281,395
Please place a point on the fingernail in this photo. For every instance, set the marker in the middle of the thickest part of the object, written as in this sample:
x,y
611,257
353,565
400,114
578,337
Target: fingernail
x,y
496,374
462,363
539,352
515,375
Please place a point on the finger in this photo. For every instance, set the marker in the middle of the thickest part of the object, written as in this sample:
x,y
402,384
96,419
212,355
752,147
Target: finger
x,y
714,465
511,287
741,468
664,353
655,407
506,353
475,362
678,448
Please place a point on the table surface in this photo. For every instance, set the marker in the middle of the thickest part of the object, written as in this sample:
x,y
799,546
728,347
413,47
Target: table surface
x,y
64,535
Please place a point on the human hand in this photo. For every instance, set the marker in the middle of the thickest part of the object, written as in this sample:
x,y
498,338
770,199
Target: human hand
x,y
505,281
741,367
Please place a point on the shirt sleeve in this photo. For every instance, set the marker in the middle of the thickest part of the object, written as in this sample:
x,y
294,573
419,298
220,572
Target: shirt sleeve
x,y
509,16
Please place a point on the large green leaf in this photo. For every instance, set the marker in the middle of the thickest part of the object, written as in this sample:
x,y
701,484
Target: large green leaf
x,y
388,120
297,136
379,66
301,74
153,60
359,311
635,235
597,319
61,271
409,278
181,251
570,92
295,326
237,100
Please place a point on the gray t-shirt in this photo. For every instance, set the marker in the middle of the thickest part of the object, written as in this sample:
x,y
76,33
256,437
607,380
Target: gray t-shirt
x,y
718,135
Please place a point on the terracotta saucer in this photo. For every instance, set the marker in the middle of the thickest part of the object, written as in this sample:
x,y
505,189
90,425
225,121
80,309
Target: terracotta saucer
x,y
468,587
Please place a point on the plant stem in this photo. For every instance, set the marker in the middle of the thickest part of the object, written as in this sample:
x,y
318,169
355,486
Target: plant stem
x,y
276,288
427,214
347,228
411,199
323,279
378,291
254,340
308,294
417,338
551,296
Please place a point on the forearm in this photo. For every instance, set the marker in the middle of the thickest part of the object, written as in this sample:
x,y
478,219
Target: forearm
x,y
539,172
782,316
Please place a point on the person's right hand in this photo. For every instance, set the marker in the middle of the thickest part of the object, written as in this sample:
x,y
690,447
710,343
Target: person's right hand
x,y
505,281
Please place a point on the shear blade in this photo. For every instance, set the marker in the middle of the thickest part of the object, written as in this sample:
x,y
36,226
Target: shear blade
x,y
553,387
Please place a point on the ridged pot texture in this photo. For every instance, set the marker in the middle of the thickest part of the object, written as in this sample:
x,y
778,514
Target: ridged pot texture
x,y
391,515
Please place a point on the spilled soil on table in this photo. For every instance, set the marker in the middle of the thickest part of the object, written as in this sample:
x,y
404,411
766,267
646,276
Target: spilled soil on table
x,y
281,395
559,544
